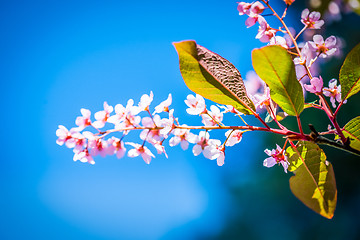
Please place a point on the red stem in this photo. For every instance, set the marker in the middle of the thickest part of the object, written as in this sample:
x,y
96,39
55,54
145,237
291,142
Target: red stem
x,y
332,117
299,124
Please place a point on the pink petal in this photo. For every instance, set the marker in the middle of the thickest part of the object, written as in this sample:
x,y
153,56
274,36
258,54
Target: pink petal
x,y
318,39
174,141
184,145
60,141
330,42
197,150
133,153
318,24
269,162
146,158
85,112
285,165
305,13
120,153
251,21
220,159
314,16
61,132
98,124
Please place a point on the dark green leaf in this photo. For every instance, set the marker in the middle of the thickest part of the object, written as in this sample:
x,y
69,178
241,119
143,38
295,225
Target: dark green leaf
x,y
273,64
349,76
314,181
212,76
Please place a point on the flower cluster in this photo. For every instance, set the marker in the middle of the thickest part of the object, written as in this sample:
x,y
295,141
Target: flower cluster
x,y
252,10
306,57
154,130
160,125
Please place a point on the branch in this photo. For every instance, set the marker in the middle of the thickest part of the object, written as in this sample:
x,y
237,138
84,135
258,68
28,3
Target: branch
x,y
323,140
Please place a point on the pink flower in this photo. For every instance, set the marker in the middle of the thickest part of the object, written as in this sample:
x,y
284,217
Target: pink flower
x,y
250,21
164,106
256,9
321,47
160,148
127,117
218,152
262,100
72,138
234,138
121,112
141,150
244,8
98,147
84,120
129,121
79,142
116,146
265,32
182,136
316,85
154,134
229,108
84,156
204,143
215,116
334,92
201,142
167,124
64,136
214,151
253,83
145,101
102,116
196,104
311,20
306,56
277,40
220,160
276,156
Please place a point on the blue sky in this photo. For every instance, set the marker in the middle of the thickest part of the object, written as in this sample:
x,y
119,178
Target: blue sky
x,y
60,56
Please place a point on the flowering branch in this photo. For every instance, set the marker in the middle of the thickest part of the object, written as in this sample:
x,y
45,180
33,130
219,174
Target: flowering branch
x,y
278,88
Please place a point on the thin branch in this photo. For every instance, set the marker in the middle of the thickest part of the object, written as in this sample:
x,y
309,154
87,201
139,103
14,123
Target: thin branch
x,y
285,26
332,118
302,30
322,140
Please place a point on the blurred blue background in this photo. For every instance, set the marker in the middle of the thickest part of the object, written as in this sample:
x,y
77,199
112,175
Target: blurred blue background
x,y
60,56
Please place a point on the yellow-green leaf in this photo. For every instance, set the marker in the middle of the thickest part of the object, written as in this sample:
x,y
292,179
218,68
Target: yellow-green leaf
x,y
314,181
349,76
274,65
212,76
352,130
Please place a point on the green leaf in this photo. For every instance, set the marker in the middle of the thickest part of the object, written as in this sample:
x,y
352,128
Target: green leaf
x,y
349,76
352,130
212,76
314,181
273,64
